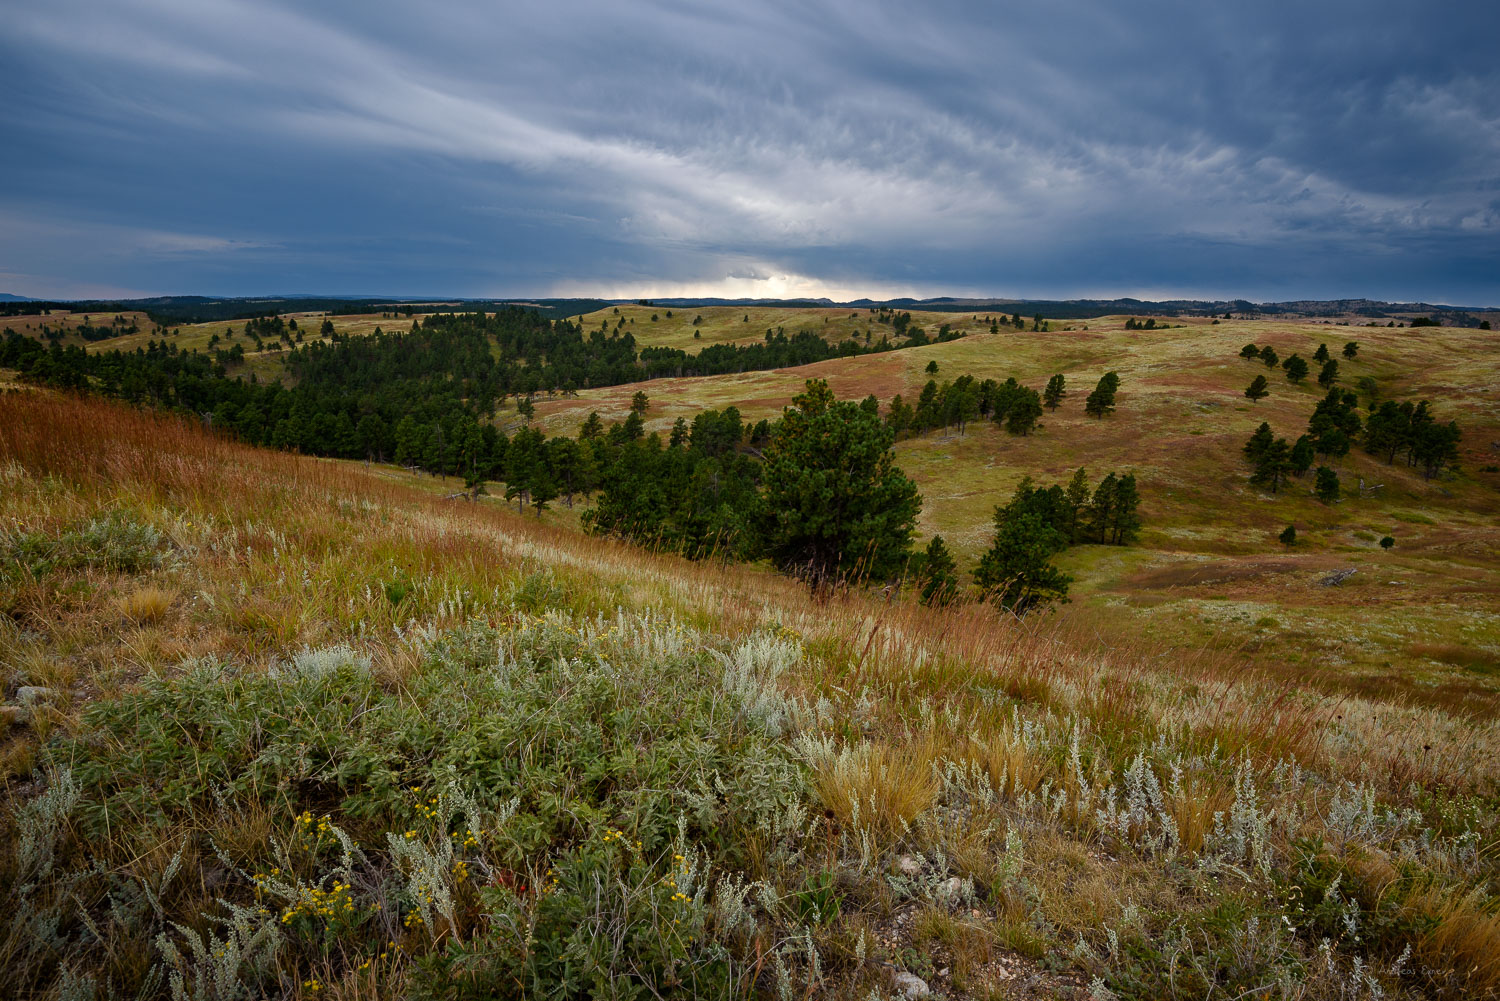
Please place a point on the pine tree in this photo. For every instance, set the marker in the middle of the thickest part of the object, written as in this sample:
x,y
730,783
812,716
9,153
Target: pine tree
x,y
1102,400
1351,349
1053,394
1288,536
1259,442
1302,455
1102,507
1250,351
1125,524
1016,572
592,428
1321,355
1024,412
1257,390
1387,542
1327,486
1330,373
1269,356
1296,368
939,577
1077,497
836,506
640,402
1273,465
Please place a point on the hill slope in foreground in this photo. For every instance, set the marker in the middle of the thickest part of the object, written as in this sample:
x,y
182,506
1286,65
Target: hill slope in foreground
x,y
285,727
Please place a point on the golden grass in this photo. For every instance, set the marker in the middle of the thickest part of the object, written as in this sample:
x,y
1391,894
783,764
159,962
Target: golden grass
x,y
146,605
876,786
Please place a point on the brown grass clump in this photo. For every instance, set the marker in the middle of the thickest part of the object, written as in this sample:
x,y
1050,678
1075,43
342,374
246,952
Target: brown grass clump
x,y
1464,938
1194,810
876,786
146,605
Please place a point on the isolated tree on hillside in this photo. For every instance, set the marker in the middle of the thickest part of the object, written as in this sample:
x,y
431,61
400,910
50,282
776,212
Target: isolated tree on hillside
x,y
1288,536
1330,373
836,506
1321,355
640,403
1257,390
1102,400
1386,543
1269,356
1296,368
1351,349
1055,391
939,577
932,367
1249,351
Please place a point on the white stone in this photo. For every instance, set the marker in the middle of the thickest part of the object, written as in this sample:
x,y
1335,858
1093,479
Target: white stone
x,y
909,985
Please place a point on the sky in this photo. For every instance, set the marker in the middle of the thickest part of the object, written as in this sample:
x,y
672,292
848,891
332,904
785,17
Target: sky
x,y
842,148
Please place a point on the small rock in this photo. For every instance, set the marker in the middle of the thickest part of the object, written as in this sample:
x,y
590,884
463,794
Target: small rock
x,y
950,889
30,695
909,985
908,865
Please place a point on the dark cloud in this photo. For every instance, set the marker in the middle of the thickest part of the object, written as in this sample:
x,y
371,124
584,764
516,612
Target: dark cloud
x,y
1267,150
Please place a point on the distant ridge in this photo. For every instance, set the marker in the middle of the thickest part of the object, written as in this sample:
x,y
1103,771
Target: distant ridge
x,y
1084,308
197,309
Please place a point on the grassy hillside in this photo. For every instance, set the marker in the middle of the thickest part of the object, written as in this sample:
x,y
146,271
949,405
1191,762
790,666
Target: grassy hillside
x,y
745,325
277,726
1419,619
265,364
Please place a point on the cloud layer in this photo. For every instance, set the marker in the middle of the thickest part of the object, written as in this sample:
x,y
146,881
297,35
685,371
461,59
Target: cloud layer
x,y
842,148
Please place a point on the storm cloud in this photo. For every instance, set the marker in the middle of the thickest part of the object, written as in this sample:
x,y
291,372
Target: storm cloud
x,y
1270,150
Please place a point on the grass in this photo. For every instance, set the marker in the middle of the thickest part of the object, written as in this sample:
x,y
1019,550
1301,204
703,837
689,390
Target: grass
x,y
377,743
748,324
